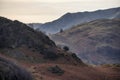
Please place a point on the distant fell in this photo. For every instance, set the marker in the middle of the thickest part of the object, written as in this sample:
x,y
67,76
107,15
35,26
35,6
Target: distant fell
x,y
95,42
72,19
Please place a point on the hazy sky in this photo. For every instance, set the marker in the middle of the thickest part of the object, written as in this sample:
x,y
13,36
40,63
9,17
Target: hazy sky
x,y
47,10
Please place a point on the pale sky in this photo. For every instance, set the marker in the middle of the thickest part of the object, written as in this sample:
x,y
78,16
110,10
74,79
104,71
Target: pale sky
x,y
41,11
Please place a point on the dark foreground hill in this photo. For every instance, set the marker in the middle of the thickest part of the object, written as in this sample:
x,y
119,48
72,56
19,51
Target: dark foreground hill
x,y
15,34
95,42
72,19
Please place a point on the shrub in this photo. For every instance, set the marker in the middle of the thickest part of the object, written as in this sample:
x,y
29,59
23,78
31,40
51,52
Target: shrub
x,y
75,57
56,70
66,48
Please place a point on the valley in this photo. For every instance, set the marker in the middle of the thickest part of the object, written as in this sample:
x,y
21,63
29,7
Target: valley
x,y
77,46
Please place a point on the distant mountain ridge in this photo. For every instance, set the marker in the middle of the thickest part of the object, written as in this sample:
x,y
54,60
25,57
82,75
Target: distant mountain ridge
x,y
72,19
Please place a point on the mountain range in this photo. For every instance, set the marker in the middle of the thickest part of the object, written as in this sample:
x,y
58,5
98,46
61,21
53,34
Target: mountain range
x,y
72,19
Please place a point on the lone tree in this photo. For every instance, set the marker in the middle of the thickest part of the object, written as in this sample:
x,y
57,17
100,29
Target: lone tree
x,y
61,30
66,48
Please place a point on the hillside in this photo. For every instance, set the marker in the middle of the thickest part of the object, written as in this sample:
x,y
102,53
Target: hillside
x,y
72,19
95,42
22,48
19,41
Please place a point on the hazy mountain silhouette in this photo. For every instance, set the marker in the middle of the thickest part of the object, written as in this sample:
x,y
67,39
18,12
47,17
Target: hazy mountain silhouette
x,y
71,19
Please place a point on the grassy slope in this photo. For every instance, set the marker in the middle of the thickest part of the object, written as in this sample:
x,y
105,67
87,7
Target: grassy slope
x,y
95,42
